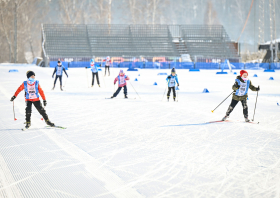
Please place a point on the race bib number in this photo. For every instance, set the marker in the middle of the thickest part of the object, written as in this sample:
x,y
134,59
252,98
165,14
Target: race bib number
x,y
122,80
242,89
31,91
172,82
59,71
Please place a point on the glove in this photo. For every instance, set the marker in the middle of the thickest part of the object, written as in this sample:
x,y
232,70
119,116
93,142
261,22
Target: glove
x,y
178,84
67,76
236,85
169,77
12,99
258,88
45,102
52,76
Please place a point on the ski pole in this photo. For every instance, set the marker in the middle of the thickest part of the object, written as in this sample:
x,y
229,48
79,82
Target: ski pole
x,y
134,89
65,82
255,105
103,80
87,76
222,102
164,91
14,111
177,95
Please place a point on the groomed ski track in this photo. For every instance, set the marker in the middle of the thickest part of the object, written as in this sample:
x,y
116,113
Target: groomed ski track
x,y
142,147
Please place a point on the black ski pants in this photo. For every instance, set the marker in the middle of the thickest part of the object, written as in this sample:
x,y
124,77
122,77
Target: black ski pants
x,y
97,78
107,67
38,106
234,103
60,79
119,89
169,91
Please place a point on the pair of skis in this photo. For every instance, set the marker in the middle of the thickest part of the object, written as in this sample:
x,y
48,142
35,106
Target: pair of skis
x,y
58,127
218,121
124,98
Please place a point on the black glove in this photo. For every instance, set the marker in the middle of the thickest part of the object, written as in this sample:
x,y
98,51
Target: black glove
x,y
236,85
67,76
258,88
12,99
45,102
178,84
169,77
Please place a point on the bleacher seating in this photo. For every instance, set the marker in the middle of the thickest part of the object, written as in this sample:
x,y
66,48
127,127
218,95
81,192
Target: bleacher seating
x,y
137,40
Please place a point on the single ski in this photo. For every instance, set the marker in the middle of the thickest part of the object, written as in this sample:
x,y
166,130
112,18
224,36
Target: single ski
x,y
24,129
59,127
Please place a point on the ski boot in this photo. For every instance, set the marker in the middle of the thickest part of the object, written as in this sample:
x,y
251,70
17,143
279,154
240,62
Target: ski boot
x,y
247,120
28,124
174,99
167,98
125,96
53,88
112,97
224,118
49,123
98,85
61,88
91,85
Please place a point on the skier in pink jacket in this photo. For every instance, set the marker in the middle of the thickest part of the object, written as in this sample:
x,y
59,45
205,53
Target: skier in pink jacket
x,y
121,78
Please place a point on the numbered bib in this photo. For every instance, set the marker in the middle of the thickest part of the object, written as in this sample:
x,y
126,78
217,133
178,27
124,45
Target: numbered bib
x,y
122,80
172,82
59,71
242,89
93,69
31,91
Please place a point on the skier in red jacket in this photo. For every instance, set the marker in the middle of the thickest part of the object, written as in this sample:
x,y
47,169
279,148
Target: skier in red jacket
x,y
32,90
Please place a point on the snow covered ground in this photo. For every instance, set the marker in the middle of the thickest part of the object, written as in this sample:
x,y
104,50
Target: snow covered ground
x,y
143,147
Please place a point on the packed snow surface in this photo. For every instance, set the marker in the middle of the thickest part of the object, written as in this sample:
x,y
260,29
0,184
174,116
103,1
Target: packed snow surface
x,y
139,147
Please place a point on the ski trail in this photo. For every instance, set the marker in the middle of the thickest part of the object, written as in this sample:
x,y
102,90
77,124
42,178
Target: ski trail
x,y
111,181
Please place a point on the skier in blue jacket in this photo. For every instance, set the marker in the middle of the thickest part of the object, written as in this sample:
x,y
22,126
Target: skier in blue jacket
x,y
94,71
172,79
58,70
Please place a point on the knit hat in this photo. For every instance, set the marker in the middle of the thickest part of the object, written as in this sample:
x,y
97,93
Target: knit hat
x,y
30,73
173,70
242,72
121,71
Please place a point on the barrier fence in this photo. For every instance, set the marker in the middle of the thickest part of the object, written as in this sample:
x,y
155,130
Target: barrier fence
x,y
170,65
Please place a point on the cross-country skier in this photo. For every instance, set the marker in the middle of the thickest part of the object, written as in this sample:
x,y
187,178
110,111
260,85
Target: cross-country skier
x,y
241,87
107,64
32,90
58,70
172,79
94,70
122,78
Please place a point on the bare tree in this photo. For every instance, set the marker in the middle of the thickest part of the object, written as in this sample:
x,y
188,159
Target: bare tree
x,y
20,18
210,17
